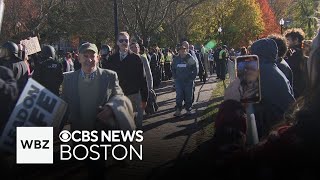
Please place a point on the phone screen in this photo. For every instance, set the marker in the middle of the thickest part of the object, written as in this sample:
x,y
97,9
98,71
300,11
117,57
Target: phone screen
x,y
248,72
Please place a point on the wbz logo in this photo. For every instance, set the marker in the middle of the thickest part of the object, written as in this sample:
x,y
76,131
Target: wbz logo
x,y
34,145
37,144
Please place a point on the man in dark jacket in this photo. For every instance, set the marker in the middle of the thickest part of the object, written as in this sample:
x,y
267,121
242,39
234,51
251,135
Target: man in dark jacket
x,y
8,94
201,74
296,60
132,79
155,67
105,53
49,73
10,58
223,59
216,59
281,63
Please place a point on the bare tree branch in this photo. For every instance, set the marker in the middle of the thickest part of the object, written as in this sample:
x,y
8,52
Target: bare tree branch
x,y
162,18
125,15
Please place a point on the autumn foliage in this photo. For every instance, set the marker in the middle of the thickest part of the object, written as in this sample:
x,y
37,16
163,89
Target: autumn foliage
x,y
19,16
271,24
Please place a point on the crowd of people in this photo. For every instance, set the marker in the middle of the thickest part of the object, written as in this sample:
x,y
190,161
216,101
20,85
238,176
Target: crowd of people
x,y
286,117
100,84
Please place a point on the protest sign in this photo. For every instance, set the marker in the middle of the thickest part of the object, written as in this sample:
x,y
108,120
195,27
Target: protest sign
x,y
36,107
32,45
1,12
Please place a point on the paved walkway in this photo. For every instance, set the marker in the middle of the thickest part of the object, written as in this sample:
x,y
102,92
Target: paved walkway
x,y
166,138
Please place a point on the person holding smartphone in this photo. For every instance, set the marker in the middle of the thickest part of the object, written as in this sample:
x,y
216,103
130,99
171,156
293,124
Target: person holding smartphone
x,y
276,91
249,82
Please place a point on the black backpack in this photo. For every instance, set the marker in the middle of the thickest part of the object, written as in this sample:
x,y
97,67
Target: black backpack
x,y
152,105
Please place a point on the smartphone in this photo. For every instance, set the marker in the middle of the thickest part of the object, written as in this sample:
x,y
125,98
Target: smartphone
x,y
247,70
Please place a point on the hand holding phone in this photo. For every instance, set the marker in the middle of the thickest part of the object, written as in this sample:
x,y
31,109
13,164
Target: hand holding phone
x,y
248,72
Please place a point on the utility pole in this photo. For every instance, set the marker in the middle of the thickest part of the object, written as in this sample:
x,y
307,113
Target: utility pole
x,y
116,24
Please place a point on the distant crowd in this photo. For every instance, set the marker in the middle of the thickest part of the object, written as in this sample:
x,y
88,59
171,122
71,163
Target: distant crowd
x,y
111,89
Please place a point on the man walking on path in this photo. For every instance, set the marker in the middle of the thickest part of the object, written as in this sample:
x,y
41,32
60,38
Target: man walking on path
x,y
217,61
184,71
129,68
95,101
223,56
135,47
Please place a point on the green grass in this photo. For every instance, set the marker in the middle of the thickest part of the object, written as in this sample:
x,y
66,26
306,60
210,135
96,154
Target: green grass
x,y
217,98
208,117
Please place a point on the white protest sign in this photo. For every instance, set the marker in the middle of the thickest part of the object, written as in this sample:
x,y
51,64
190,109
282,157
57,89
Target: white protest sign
x,y
1,12
36,44
32,45
36,107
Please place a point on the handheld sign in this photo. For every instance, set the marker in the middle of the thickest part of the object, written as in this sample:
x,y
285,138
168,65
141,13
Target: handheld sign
x,y
1,12
36,107
32,45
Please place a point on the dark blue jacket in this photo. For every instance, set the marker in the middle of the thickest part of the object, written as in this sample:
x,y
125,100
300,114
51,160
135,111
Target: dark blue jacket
x,y
184,69
276,91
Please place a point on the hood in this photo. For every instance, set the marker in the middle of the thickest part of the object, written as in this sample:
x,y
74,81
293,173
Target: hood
x,y
266,49
189,55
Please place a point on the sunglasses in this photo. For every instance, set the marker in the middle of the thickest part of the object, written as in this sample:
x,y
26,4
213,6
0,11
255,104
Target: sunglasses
x,y
123,40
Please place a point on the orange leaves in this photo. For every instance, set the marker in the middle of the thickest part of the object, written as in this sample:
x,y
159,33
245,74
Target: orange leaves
x,y
269,19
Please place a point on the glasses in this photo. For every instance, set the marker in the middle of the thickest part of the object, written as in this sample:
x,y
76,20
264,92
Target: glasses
x,y
123,40
183,48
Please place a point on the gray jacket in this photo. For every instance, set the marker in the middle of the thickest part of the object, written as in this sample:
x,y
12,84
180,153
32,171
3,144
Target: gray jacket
x,y
147,70
110,93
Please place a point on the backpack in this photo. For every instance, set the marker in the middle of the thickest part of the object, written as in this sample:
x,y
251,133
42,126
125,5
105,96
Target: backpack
x,y
152,105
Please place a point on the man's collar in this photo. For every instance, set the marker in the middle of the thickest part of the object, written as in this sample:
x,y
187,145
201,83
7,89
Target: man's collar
x,y
91,76
127,52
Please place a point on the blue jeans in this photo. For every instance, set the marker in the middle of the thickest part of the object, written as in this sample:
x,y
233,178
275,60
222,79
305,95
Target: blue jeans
x,y
184,92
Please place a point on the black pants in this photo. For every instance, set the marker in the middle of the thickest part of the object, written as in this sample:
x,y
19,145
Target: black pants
x,y
167,70
211,67
218,68
221,69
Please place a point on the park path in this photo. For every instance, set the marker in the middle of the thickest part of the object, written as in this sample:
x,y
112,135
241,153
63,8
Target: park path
x,y
167,138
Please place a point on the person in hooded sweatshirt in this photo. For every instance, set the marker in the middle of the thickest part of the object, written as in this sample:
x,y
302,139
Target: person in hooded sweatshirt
x,y
276,91
184,72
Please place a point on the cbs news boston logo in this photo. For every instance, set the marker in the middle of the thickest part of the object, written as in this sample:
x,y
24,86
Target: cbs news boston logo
x,y
34,145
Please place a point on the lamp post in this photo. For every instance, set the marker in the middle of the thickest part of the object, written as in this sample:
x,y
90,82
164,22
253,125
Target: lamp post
x,y
148,40
281,22
116,24
220,30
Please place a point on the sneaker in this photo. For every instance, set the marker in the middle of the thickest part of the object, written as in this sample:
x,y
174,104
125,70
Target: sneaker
x,y
190,112
177,113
